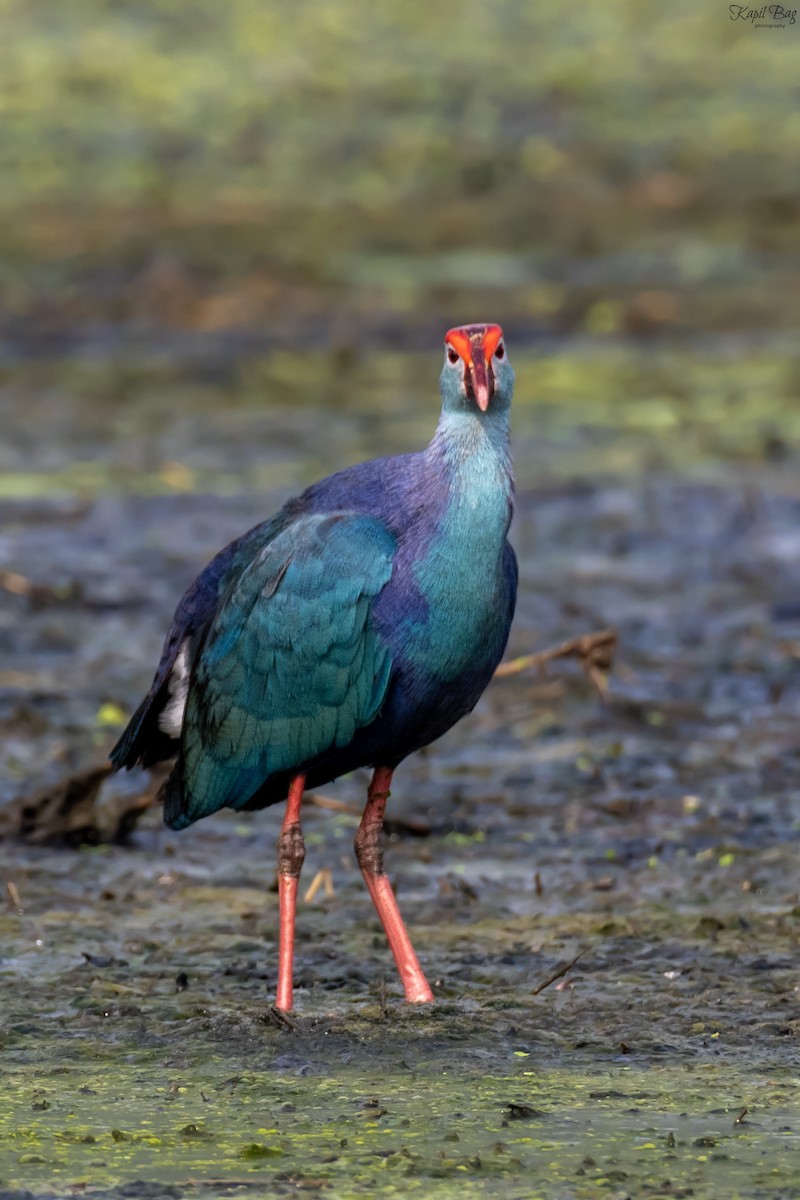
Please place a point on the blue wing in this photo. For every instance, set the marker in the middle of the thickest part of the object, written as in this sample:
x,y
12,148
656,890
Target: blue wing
x,y
291,666
144,739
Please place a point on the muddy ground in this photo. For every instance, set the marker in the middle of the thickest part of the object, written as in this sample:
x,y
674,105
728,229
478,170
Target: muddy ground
x,y
655,835
229,245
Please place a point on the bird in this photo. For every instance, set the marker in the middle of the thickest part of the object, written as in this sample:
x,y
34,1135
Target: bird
x,y
355,626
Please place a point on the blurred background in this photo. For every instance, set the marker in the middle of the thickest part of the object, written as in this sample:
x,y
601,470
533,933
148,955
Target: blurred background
x,y
211,212
232,236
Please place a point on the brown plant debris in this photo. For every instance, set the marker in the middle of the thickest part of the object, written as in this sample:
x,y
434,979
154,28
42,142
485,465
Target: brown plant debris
x,y
68,812
560,973
595,652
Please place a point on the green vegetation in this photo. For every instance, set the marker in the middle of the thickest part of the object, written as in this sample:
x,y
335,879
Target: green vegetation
x,y
581,412
533,1132
138,1042
612,167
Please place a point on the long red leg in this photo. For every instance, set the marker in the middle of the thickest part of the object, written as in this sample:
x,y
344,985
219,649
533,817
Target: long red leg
x,y
369,853
291,852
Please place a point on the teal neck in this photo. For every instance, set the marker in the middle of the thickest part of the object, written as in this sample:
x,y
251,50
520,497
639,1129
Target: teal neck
x,y
475,451
461,575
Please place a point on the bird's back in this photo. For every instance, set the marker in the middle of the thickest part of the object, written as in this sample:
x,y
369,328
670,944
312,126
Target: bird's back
x,y
153,732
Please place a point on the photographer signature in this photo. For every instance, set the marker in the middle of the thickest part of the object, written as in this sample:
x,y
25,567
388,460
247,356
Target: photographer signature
x,y
739,12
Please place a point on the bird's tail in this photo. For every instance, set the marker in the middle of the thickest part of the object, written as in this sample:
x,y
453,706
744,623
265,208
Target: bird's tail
x,y
172,797
127,751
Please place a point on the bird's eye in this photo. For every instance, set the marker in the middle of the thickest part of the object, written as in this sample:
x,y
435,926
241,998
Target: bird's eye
x,y
452,356
500,352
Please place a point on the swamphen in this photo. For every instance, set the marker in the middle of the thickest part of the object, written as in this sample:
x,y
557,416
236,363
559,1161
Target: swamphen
x,y
353,627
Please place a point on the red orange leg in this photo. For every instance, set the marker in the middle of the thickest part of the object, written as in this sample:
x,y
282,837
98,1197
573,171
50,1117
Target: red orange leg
x,y
291,852
369,853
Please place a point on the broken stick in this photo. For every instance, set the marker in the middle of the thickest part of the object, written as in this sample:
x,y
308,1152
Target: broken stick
x,y
594,651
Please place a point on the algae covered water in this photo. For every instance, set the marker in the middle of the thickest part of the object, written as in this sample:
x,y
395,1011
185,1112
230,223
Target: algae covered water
x,y
653,838
231,243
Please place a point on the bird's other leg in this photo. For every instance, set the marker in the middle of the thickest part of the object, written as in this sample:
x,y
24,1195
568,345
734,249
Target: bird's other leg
x,y
369,852
291,852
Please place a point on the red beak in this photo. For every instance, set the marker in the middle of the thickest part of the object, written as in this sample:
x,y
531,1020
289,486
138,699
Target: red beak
x,y
482,381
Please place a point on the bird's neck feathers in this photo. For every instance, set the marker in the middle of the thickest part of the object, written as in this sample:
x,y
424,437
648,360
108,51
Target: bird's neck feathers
x,y
474,451
470,452
458,569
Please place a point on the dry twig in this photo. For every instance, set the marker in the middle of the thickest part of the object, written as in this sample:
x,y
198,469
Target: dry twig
x,y
323,879
594,651
559,973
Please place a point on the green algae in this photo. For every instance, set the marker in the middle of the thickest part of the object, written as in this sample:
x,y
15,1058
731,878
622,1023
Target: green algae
x,y
213,168
669,1061
427,1126
595,410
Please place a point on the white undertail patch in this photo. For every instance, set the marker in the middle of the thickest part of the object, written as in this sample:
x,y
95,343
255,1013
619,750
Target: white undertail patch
x,y
170,719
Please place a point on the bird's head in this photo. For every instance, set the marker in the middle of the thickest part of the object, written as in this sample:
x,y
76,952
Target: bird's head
x,y
476,375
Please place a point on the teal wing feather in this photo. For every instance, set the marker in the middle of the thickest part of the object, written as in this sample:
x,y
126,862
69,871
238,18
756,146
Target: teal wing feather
x,y
291,666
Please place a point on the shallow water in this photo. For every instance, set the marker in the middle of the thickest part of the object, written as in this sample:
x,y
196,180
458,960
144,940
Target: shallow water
x,y
659,832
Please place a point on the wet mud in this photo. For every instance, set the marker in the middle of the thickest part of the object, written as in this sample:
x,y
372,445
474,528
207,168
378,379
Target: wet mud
x,y
650,840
